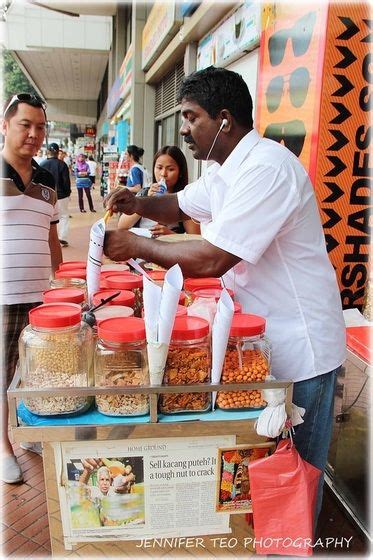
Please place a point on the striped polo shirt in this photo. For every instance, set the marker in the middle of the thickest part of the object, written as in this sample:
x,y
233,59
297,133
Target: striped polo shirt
x,y
26,214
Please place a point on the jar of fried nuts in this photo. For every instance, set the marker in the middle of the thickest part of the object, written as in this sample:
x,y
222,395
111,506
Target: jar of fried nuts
x,y
188,363
120,361
56,351
247,360
127,281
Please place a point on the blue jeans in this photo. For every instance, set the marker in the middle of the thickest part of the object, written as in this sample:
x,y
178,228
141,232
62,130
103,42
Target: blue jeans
x,y
312,438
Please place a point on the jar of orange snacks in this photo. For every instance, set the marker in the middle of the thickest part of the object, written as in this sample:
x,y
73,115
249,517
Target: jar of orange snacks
x,y
247,360
188,363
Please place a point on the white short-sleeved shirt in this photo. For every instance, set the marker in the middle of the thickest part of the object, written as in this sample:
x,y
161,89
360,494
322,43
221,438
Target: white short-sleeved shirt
x,y
260,206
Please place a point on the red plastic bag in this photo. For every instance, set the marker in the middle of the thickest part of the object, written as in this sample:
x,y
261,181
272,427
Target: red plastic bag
x,y
283,495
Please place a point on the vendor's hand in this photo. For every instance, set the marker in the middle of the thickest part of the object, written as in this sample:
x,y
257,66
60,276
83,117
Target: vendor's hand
x,y
120,200
159,229
120,244
91,464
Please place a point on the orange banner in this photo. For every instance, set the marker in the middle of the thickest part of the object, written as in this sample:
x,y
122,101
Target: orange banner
x,y
291,61
344,170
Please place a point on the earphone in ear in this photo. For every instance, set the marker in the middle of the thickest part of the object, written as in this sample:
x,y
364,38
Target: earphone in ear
x,y
224,123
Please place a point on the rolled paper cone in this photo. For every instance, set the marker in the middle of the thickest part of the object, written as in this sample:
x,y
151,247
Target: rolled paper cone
x,y
157,356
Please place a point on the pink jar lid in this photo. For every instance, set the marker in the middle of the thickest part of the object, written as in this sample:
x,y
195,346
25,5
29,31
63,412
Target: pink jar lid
x,y
71,273
244,324
68,265
124,281
191,284
189,328
211,293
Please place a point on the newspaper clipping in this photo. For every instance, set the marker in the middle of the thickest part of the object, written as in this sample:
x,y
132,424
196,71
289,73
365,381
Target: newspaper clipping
x,y
136,489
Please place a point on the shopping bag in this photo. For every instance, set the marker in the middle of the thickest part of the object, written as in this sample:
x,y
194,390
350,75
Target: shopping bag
x,y
283,496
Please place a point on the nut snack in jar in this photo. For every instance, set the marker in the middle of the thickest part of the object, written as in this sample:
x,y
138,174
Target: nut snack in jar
x,y
128,281
56,351
121,361
188,363
247,360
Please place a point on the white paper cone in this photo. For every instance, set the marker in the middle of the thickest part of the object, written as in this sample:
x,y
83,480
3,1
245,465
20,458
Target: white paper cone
x,y
152,295
172,285
157,356
220,334
95,252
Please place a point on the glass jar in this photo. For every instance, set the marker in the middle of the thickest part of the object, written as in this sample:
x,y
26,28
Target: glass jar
x,y
188,362
56,351
115,267
157,276
191,284
122,509
84,511
110,311
121,360
247,360
64,295
210,293
79,283
124,297
71,273
128,281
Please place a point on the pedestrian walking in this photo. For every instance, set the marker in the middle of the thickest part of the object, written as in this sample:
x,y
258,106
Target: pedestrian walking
x,y
60,172
83,182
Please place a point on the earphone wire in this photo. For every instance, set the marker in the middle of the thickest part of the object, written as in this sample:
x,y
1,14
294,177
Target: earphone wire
x,y
216,137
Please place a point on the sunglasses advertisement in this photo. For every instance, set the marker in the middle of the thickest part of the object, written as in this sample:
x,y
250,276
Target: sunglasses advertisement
x,y
314,90
290,78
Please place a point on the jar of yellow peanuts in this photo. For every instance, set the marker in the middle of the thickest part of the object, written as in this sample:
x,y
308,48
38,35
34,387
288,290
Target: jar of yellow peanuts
x,y
247,360
56,352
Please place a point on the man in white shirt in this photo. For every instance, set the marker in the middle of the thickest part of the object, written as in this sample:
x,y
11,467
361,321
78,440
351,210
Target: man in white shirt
x,y
262,231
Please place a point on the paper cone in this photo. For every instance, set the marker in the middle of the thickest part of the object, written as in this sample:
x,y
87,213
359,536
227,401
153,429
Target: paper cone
x,y
220,335
157,356
95,252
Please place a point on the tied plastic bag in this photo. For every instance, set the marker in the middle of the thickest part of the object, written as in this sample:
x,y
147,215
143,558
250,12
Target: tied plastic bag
x,y
283,495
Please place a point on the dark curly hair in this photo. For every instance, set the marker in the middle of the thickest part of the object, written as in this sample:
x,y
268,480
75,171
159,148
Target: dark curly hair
x,y
215,89
179,158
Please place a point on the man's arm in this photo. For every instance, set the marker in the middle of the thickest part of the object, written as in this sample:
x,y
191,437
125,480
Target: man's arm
x,y
196,258
55,248
163,209
66,178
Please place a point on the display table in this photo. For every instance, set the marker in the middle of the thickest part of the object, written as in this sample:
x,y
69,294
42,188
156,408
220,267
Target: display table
x,y
93,429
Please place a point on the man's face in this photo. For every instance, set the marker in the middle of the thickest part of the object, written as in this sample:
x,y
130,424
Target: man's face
x,y
25,131
198,128
104,482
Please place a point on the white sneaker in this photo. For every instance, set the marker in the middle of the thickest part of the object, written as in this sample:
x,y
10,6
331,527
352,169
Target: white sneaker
x,y
11,472
34,447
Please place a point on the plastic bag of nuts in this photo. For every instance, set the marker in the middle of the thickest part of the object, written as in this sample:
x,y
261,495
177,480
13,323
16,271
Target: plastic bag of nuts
x,y
247,360
121,361
56,351
188,362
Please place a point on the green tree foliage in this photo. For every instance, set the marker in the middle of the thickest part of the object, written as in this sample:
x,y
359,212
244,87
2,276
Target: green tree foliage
x,y
14,80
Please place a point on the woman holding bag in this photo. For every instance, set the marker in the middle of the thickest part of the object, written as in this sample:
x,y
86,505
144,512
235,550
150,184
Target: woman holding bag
x,y
83,182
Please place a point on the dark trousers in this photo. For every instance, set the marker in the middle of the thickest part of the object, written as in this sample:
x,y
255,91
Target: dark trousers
x,y
87,191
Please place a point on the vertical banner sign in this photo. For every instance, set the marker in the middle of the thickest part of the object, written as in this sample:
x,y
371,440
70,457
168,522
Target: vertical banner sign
x,y
344,172
291,60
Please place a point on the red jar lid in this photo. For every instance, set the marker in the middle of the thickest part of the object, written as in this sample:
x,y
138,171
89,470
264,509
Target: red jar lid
x,y
53,315
191,284
122,329
244,324
65,295
127,281
182,298
72,265
181,310
110,311
125,297
157,275
211,293
105,273
237,307
72,273
189,328
115,267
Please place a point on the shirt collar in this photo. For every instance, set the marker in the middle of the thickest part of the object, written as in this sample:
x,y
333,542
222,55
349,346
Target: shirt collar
x,y
11,173
227,171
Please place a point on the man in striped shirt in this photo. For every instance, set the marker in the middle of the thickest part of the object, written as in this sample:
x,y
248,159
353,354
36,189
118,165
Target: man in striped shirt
x,y
30,249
